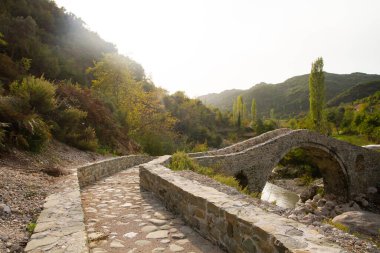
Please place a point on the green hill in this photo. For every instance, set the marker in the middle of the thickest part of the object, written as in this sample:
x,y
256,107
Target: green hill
x,y
357,92
290,97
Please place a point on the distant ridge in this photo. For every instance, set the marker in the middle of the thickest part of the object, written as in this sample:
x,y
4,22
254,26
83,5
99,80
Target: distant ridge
x,y
291,97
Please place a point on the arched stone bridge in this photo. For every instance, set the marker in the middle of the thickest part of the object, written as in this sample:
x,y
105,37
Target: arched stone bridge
x,y
346,169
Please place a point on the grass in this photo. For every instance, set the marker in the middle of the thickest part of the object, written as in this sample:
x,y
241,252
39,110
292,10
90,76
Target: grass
x,y
181,161
321,191
338,225
353,139
306,179
30,227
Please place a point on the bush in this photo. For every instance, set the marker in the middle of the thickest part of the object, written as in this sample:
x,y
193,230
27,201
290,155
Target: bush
x,y
71,128
26,130
230,181
200,147
38,93
99,116
181,161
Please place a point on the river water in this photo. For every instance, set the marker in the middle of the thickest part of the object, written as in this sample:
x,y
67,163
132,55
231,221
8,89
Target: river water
x,y
281,196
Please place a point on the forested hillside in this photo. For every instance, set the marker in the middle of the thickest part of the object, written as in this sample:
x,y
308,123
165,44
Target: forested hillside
x,y
291,97
357,92
60,80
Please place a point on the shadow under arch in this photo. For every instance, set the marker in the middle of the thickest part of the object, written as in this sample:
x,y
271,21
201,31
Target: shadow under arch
x,y
334,173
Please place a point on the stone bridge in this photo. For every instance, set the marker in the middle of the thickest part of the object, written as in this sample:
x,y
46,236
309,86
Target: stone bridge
x,y
346,169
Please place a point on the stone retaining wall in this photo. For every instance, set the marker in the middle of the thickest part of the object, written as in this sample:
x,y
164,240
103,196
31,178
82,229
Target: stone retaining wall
x,y
60,226
235,226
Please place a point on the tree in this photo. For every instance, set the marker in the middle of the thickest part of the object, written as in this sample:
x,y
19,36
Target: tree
x,y
271,114
239,111
317,96
253,111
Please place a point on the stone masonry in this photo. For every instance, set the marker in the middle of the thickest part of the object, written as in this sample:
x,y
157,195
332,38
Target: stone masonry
x,y
60,226
347,169
234,225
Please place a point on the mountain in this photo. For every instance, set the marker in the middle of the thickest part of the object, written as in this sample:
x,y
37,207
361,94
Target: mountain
x,y
357,92
290,97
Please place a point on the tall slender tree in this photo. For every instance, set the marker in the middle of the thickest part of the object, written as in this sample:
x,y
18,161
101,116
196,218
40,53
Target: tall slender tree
x,y
253,110
240,110
317,96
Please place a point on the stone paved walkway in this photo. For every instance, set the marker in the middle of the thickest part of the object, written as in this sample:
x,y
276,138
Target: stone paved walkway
x,y
121,218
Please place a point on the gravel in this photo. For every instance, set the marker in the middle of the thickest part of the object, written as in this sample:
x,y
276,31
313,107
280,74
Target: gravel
x,y
24,185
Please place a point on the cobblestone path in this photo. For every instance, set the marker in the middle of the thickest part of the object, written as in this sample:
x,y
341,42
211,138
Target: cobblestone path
x,y
121,218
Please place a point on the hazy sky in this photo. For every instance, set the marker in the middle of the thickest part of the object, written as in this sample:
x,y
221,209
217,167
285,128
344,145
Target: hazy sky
x,y
203,46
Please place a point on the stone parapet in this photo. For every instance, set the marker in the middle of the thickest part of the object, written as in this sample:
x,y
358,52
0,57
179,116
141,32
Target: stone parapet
x,y
93,172
234,225
243,145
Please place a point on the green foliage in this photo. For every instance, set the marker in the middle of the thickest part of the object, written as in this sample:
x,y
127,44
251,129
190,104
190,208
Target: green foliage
x,y
181,161
256,195
230,181
359,122
317,96
337,225
2,41
30,227
239,112
291,97
38,93
353,139
261,127
109,131
71,128
200,147
195,122
359,91
253,111
58,43
23,112
306,180
321,191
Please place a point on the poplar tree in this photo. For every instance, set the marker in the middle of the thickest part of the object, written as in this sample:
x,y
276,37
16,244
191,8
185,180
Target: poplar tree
x,y
253,110
240,110
317,95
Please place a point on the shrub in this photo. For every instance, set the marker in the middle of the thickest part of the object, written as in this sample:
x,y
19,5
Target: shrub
x,y
181,161
230,181
38,93
200,147
26,130
99,116
71,128
36,132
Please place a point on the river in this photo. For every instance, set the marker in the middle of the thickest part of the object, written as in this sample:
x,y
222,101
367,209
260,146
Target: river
x,y
281,196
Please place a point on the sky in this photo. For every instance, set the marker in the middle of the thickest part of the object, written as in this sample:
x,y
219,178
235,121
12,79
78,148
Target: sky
x,y
206,46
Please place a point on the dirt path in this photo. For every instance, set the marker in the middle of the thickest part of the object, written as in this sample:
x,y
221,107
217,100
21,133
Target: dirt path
x,y
122,218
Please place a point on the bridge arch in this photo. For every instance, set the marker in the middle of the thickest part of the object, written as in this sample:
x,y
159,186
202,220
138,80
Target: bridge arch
x,y
331,166
347,169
